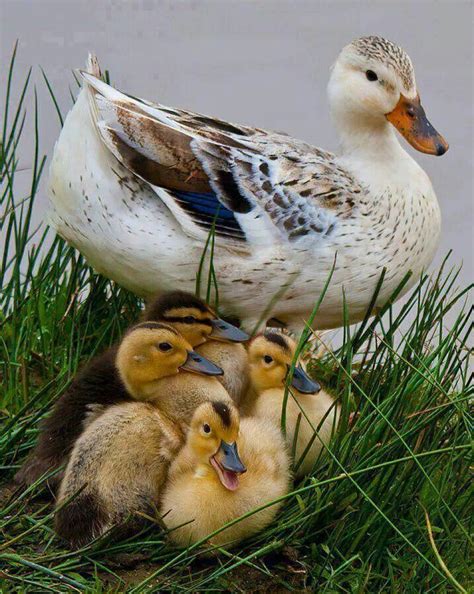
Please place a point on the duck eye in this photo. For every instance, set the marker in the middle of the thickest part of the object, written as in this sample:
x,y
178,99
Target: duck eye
x,y
206,428
189,320
268,359
164,346
370,74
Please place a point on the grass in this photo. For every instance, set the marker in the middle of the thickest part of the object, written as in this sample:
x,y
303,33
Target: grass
x,y
388,508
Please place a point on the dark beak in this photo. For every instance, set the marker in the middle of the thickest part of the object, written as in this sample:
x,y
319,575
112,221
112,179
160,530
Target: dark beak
x,y
303,383
230,459
199,364
409,118
226,332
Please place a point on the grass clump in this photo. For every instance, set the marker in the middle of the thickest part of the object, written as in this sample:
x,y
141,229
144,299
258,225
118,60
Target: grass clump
x,y
387,509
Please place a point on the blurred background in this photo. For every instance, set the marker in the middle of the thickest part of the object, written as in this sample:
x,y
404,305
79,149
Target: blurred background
x,y
263,63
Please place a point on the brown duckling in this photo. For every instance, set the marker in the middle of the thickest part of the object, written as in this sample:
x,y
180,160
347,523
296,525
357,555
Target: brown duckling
x,y
227,468
99,384
120,460
308,406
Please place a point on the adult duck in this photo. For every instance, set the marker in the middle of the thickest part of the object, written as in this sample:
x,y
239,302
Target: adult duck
x,y
137,186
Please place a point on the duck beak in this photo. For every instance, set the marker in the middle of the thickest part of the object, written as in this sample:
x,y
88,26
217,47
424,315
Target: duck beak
x,y
410,120
226,332
228,465
230,459
303,383
199,364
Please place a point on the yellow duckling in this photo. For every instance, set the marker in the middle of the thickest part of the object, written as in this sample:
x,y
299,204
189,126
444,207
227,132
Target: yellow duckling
x,y
119,462
222,473
150,376
308,406
212,337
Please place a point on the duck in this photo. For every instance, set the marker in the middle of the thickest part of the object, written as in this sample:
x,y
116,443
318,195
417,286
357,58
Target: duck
x,y
309,408
211,336
146,379
227,468
99,385
138,188
115,472
119,462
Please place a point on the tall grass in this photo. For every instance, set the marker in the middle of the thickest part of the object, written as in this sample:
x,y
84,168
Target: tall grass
x,y
388,508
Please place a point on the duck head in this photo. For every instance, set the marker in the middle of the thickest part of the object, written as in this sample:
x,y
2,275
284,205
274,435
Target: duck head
x,y
372,84
193,319
270,357
213,438
151,351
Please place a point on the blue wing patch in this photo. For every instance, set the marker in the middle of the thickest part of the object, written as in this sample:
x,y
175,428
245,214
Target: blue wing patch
x,y
204,208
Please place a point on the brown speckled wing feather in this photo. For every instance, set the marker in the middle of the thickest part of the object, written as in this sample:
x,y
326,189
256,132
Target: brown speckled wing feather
x,y
278,188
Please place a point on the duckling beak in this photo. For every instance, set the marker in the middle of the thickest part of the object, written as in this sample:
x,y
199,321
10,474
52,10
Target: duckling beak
x,y
228,465
199,364
409,118
226,332
303,383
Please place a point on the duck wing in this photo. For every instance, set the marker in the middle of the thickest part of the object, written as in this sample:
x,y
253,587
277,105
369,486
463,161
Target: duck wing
x,y
254,186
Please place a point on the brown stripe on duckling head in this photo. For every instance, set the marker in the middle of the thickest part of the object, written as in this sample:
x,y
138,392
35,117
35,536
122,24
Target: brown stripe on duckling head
x,y
277,338
223,411
157,309
153,326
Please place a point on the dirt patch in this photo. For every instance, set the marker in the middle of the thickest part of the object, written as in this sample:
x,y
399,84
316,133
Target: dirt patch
x,y
286,574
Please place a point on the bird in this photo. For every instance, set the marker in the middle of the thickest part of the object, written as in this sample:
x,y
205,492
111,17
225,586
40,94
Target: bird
x,y
311,413
140,188
99,385
115,472
119,462
147,379
212,337
227,468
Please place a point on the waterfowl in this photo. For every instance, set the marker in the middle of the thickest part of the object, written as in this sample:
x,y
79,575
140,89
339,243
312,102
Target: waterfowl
x,y
120,460
99,385
308,408
116,470
212,337
137,186
223,471
148,379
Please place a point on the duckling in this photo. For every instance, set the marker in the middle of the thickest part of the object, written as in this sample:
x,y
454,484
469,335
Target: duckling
x,y
99,384
120,460
115,472
212,337
147,377
226,468
308,406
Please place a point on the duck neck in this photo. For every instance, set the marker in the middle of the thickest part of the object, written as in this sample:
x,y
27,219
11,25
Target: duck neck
x,y
142,391
368,139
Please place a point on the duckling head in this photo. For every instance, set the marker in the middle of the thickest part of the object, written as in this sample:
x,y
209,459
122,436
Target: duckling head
x,y
193,319
213,439
372,82
270,357
151,351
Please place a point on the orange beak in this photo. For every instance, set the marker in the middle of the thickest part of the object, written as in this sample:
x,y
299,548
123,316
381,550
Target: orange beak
x,y
410,120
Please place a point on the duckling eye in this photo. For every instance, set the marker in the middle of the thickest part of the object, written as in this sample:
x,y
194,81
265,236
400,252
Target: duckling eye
x,y
189,320
164,346
206,428
370,74
268,359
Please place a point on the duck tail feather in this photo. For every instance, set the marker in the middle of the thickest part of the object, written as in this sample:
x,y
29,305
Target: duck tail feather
x,y
81,520
92,65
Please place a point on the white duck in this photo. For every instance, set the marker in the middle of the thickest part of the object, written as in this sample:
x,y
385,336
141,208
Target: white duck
x,y
135,186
